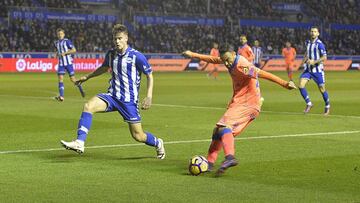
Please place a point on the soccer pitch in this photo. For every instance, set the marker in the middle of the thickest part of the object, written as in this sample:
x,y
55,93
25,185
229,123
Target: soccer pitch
x,y
284,156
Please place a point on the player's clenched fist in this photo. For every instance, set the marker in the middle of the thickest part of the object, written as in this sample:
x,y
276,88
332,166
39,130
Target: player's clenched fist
x,y
146,103
187,53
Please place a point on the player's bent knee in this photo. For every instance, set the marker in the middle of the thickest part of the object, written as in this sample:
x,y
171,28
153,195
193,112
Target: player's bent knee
x,y
139,136
322,88
302,84
89,107
220,131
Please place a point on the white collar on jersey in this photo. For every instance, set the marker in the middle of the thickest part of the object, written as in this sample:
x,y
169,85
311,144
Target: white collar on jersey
x,y
315,40
123,54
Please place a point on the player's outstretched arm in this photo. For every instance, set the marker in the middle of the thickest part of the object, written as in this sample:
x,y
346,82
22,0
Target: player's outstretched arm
x,y
273,78
97,72
203,57
146,103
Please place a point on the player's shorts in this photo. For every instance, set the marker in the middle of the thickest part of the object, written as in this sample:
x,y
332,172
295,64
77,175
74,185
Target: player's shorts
x,y
68,68
290,65
129,111
237,117
319,78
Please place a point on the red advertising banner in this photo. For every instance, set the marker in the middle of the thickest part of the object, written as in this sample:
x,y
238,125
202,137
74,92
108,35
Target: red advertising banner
x,y
209,67
337,65
279,65
87,65
169,64
332,65
45,65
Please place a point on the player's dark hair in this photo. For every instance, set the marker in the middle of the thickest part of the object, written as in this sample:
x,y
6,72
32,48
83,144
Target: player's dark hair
x,y
224,48
119,28
315,27
60,30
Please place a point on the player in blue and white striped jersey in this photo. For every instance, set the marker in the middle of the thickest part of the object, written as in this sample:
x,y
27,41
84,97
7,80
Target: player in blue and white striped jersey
x,y
64,49
258,53
127,65
313,63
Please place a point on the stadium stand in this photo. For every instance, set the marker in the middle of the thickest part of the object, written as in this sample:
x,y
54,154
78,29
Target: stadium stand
x,y
36,35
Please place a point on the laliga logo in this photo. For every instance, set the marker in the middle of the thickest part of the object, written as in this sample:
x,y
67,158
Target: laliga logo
x,y
22,65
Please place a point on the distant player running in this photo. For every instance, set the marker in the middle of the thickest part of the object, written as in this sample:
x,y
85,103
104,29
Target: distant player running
x,y
258,54
245,50
289,53
244,106
214,72
64,49
126,66
314,58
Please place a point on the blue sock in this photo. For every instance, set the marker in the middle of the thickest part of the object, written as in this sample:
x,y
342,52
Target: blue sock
x,y
305,95
151,140
326,98
61,89
84,126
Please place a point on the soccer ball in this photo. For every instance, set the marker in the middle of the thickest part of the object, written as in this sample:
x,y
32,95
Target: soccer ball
x,y
198,164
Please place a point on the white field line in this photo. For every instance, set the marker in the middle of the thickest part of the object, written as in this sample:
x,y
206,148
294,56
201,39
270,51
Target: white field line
x,y
188,141
192,107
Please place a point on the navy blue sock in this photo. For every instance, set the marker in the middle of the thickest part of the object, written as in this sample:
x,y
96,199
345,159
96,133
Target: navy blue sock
x,y
229,157
151,140
305,95
81,90
61,89
84,126
326,98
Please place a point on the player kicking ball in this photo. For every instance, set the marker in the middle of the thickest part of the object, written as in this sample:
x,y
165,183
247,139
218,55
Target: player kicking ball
x,y
64,49
244,106
126,65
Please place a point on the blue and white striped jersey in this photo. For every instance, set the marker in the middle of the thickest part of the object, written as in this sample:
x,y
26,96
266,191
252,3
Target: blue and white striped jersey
x,y
62,46
126,73
314,51
257,54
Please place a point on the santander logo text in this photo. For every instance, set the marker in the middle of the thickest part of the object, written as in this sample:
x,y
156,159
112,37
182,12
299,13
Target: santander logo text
x,y
90,65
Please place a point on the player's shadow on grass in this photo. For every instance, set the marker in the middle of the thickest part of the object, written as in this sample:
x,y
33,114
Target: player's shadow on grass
x,y
63,157
168,165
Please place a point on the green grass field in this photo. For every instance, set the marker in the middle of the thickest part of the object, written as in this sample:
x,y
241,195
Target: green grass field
x,y
284,156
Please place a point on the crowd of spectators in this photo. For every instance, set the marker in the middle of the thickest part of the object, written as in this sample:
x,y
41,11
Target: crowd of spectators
x,y
33,35
336,11
254,8
6,4
42,3
344,42
175,39
168,7
60,3
24,35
